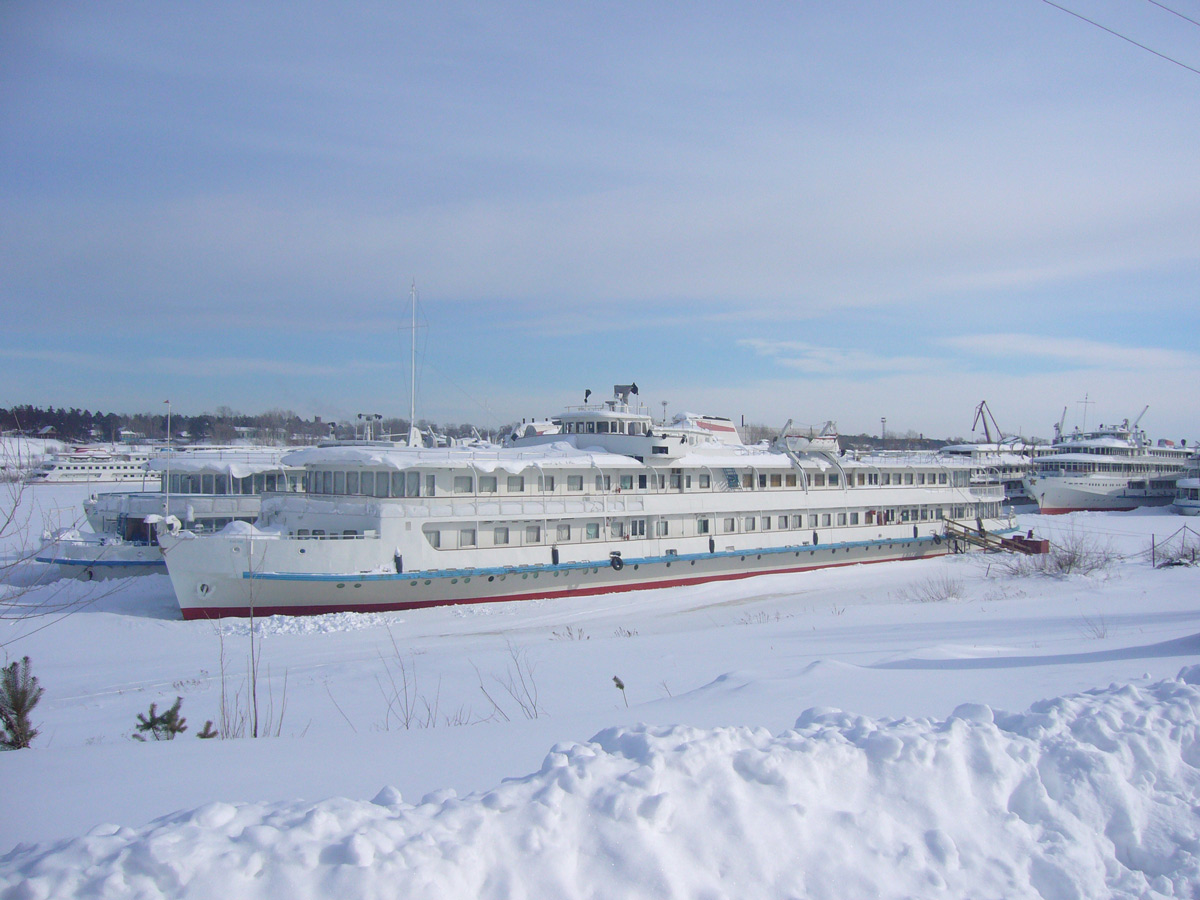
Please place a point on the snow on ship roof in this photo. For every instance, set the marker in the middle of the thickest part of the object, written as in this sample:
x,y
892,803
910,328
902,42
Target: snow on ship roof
x,y
559,454
236,463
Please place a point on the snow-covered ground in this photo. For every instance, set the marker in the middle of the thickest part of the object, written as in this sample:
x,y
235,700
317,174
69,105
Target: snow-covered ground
x,y
943,728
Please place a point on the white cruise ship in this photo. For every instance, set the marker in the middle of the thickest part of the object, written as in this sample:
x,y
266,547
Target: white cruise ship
x,y
1187,488
1004,463
611,502
95,464
204,488
1111,468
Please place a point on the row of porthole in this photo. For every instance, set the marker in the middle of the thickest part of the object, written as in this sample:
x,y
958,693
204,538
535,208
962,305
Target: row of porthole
x,y
594,570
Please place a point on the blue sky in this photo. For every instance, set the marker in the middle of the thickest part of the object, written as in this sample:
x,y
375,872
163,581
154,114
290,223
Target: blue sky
x,y
773,210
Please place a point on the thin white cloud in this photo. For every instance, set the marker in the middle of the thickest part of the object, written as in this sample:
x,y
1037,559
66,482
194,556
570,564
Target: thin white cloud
x,y
816,360
207,367
1076,352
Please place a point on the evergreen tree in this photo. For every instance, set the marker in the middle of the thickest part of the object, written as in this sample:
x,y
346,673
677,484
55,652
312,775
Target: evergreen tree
x,y
19,694
162,727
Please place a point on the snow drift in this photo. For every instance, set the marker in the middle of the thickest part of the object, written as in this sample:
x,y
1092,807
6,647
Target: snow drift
x,y
1087,795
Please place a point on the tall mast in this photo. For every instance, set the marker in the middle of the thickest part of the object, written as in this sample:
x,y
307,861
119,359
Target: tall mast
x,y
412,400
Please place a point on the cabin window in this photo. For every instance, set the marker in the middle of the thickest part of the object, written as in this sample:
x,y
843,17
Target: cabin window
x,y
749,523
381,484
789,480
397,484
762,481
812,520
818,479
500,535
603,482
222,484
548,484
466,537
462,484
637,527
533,534
351,482
705,482
627,482
591,427
766,523
825,520
591,531
412,484
841,520
562,532
616,529
941,477
516,484
702,526
326,482
574,482
660,528
641,482
339,482
434,538
748,482
676,481
853,518
487,484
776,480
730,525
833,479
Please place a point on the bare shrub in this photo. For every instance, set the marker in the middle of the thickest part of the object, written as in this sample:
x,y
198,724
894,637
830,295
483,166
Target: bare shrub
x,y
935,589
1072,553
518,682
1095,627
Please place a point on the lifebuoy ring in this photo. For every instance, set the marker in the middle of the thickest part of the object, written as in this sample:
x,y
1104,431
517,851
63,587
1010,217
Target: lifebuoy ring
x,y
616,562
937,538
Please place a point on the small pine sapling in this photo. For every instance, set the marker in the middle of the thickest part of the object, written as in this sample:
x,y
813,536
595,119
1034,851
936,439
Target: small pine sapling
x,y
19,694
208,731
161,727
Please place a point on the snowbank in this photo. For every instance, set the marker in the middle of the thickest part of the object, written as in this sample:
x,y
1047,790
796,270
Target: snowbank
x,y
1083,796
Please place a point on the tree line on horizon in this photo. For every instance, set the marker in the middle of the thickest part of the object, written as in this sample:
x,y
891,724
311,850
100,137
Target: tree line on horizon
x,y
224,426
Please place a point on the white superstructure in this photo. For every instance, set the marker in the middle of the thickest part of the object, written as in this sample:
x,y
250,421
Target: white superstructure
x,y
612,502
1004,463
1109,468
